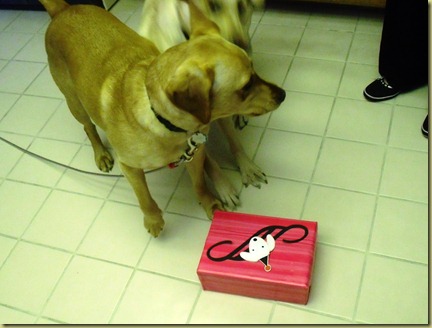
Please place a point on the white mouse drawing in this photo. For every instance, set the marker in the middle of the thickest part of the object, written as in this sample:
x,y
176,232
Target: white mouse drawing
x,y
259,250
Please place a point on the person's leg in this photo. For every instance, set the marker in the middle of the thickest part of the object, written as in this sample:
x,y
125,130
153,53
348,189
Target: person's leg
x,y
403,59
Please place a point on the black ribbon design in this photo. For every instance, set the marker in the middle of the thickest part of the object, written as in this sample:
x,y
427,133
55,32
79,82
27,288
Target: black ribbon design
x,y
234,254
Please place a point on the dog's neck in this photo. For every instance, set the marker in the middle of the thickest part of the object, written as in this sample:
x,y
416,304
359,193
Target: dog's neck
x,y
167,123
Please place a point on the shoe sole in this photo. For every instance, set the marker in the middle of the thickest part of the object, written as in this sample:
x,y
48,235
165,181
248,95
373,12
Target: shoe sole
x,y
372,98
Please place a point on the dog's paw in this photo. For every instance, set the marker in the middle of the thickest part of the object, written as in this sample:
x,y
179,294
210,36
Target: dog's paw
x,y
227,193
154,225
240,121
213,206
104,161
250,172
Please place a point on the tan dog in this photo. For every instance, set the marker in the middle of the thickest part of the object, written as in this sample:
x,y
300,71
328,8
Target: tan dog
x,y
154,108
167,23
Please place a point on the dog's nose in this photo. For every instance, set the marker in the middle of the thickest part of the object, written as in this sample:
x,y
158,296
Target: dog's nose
x,y
280,95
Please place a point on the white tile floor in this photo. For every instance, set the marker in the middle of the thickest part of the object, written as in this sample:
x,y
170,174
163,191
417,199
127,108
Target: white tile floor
x,y
73,249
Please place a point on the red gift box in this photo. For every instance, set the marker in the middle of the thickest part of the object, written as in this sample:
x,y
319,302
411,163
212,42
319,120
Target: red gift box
x,y
259,256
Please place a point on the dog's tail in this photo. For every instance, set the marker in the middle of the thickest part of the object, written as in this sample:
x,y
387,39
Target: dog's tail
x,y
53,7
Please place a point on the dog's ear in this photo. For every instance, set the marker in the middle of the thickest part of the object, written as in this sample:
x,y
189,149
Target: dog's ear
x,y
190,89
199,23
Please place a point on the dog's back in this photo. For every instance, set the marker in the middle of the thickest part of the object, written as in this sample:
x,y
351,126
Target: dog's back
x,y
85,44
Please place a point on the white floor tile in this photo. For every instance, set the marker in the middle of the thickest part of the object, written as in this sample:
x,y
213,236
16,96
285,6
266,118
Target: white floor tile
x,y
304,113
6,246
288,155
177,251
335,267
288,17
63,220
276,39
356,78
350,165
7,100
284,315
89,184
34,50
337,19
44,85
155,299
406,175
7,17
29,22
327,45
314,76
29,276
405,128
117,235
230,309
401,230
370,22
23,73
11,155
15,42
29,115
280,198
360,121
48,173
401,286
365,49
63,126
14,317
344,218
88,292
20,203
270,67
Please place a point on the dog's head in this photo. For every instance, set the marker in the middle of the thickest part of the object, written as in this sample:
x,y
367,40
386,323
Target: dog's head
x,y
209,78
233,17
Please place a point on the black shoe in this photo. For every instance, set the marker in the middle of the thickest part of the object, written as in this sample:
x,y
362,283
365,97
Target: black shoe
x,y
380,90
425,127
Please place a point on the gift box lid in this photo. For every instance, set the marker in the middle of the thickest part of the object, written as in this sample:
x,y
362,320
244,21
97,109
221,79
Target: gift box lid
x,y
260,249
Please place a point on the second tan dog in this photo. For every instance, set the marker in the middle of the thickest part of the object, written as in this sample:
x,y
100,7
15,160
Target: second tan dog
x,y
154,108
167,24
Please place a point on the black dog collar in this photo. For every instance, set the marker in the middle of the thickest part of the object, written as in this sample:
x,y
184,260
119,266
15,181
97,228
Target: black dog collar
x,y
167,123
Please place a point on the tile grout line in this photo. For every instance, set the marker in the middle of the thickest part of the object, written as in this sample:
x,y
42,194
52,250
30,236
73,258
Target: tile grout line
x,y
369,241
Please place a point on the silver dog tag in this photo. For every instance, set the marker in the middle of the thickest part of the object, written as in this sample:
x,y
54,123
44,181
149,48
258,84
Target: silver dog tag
x,y
198,138
194,142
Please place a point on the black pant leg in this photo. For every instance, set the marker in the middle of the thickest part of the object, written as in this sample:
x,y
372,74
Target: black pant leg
x,y
403,58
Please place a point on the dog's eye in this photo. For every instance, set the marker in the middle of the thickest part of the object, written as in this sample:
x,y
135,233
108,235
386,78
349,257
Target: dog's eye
x,y
246,89
249,84
215,6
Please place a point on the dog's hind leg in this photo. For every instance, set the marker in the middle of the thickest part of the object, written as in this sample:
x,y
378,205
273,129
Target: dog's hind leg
x,y
153,220
104,160
251,174
196,171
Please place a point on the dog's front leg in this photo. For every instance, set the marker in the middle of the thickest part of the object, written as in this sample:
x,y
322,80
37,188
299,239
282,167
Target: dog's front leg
x,y
196,171
153,220
251,174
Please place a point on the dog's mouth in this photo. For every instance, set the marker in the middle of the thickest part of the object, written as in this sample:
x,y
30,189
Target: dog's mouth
x,y
278,96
